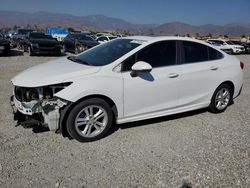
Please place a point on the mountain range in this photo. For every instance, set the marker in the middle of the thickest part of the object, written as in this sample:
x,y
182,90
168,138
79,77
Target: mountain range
x,y
104,23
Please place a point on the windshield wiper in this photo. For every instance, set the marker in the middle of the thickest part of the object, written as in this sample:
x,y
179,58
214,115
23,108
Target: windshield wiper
x,y
74,59
71,58
81,61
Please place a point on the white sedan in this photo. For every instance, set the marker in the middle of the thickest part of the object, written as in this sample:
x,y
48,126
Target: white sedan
x,y
124,80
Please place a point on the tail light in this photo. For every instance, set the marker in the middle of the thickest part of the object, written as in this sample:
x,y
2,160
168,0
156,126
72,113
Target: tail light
x,y
241,65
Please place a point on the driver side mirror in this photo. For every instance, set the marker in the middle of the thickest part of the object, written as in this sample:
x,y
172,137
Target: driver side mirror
x,y
140,66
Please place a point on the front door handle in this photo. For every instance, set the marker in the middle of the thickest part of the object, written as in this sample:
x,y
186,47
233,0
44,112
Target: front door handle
x,y
213,68
173,75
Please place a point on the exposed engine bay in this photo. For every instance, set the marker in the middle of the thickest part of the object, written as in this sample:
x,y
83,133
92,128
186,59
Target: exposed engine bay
x,y
40,104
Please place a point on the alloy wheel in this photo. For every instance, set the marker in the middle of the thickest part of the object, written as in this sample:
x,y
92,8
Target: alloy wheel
x,y
91,121
222,98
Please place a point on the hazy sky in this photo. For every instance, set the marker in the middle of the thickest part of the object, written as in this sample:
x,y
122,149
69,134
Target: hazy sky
x,y
195,12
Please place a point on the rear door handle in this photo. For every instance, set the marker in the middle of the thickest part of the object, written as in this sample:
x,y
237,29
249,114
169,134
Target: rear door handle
x,y
173,75
213,68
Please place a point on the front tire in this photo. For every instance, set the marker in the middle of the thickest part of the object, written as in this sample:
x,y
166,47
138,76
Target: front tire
x,y
24,49
30,51
7,51
64,50
89,120
222,98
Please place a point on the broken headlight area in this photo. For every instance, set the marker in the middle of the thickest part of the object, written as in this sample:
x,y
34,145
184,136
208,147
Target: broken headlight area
x,y
39,104
25,94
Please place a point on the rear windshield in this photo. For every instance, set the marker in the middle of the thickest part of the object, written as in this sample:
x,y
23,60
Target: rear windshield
x,y
107,53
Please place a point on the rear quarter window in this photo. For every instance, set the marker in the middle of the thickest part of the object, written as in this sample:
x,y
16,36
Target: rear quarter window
x,y
194,52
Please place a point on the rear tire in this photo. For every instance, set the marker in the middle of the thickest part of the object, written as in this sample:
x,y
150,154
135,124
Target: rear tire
x,y
24,49
222,98
89,120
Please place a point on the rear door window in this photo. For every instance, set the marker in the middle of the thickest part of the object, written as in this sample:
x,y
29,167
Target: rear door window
x,y
194,52
214,54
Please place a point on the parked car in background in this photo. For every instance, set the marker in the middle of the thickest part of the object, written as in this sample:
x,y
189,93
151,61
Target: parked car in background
x,y
78,42
58,33
124,80
244,44
104,39
40,43
18,36
226,44
4,45
222,47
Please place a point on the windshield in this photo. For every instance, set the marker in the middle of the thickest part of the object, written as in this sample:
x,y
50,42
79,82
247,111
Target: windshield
x,y
39,36
229,42
217,41
107,53
213,43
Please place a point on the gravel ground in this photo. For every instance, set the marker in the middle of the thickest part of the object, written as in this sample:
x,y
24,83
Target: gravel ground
x,y
196,149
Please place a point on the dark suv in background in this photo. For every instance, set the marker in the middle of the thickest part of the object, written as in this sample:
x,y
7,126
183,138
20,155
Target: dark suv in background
x,y
40,43
78,42
19,36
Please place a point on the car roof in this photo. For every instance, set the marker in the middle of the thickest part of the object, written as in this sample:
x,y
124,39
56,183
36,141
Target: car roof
x,y
224,40
160,38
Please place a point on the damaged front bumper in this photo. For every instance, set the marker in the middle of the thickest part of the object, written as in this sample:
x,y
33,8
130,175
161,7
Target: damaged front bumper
x,y
40,111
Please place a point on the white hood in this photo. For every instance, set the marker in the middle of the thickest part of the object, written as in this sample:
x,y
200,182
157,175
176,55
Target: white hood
x,y
53,72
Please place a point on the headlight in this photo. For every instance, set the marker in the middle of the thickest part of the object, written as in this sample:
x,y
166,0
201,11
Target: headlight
x,y
49,91
23,94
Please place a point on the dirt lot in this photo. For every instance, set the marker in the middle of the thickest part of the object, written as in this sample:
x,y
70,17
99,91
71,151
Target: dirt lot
x,y
198,148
